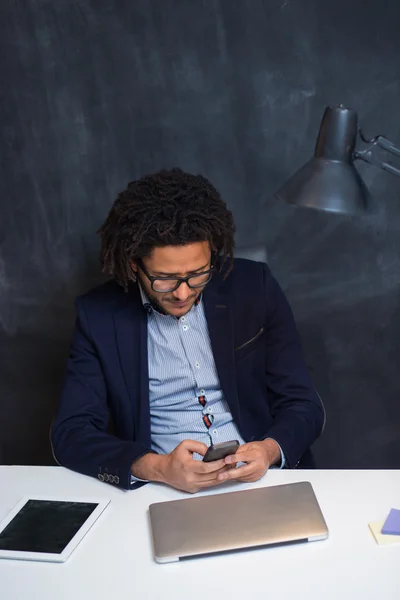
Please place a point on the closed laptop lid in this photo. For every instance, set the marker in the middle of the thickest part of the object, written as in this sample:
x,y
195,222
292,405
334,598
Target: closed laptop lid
x,y
236,520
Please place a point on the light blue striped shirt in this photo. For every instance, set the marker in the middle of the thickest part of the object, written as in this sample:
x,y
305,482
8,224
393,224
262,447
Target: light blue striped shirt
x,y
182,369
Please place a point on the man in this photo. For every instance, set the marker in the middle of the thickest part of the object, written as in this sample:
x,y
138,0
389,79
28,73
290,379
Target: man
x,y
183,348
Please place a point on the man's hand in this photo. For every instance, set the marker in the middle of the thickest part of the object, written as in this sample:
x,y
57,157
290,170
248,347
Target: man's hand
x,y
179,469
258,456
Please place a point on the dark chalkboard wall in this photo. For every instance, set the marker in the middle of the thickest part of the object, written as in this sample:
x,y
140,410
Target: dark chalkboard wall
x,y
96,93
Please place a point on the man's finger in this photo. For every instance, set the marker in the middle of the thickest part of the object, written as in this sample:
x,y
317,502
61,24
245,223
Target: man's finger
x,y
193,446
201,467
239,472
210,482
204,480
200,478
248,456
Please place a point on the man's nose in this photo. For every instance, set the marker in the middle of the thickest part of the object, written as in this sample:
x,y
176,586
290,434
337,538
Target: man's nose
x,y
182,293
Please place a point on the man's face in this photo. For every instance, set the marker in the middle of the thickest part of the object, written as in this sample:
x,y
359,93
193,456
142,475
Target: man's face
x,y
175,261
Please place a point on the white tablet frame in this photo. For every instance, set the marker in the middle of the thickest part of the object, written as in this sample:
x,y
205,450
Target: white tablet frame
x,y
102,503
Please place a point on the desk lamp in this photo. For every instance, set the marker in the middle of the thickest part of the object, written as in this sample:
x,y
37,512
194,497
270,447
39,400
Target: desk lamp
x,y
330,181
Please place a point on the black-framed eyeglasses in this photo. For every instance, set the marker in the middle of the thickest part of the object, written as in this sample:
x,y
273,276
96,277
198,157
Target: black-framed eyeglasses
x,y
170,284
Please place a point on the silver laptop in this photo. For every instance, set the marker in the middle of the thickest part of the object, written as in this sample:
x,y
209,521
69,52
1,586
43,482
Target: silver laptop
x,y
236,520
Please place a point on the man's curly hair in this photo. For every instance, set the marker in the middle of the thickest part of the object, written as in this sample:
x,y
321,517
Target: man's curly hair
x,y
168,208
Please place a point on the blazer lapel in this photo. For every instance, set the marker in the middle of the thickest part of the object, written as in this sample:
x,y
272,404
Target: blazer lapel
x,y
220,326
131,335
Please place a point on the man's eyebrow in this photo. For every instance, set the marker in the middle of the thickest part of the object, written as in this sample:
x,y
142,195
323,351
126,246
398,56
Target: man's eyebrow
x,y
163,274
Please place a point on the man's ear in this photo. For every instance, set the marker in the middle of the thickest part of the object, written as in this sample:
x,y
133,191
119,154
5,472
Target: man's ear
x,y
134,268
214,256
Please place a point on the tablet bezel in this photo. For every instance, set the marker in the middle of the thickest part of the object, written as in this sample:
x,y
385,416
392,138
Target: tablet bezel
x,y
102,503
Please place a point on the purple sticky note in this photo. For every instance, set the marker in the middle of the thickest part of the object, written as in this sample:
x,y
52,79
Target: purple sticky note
x,y
392,524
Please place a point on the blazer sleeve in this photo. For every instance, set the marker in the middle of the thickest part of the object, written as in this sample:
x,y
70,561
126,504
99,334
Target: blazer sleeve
x,y
297,411
78,435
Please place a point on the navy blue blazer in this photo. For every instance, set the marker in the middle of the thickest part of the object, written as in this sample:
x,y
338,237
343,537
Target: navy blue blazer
x,y
258,357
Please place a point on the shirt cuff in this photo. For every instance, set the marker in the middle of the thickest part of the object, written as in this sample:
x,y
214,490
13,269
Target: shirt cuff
x,y
137,480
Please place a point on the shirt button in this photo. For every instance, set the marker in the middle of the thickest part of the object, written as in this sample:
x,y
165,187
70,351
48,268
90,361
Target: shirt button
x,y
183,319
215,432
209,410
202,392
198,365
185,327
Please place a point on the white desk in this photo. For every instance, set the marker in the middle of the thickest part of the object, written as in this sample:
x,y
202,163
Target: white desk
x,y
115,559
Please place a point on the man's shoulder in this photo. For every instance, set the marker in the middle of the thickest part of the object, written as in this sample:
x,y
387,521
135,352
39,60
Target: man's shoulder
x,y
109,296
251,288
247,272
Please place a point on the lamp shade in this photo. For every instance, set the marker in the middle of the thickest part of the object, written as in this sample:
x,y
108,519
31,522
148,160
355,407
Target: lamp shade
x,y
330,181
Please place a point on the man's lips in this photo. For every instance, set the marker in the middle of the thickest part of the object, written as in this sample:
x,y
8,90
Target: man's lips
x,y
179,303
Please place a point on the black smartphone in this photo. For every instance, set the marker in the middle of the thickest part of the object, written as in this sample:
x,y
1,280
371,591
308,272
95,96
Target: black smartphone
x,y
218,451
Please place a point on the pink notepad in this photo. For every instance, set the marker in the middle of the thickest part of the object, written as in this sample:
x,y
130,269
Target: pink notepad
x,y
392,524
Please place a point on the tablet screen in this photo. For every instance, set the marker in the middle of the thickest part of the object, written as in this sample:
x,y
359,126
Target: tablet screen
x,y
45,526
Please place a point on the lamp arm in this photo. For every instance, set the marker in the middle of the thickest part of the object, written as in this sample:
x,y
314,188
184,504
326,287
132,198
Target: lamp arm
x,y
368,156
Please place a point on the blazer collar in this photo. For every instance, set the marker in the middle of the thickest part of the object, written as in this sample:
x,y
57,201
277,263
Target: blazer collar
x,y
219,314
